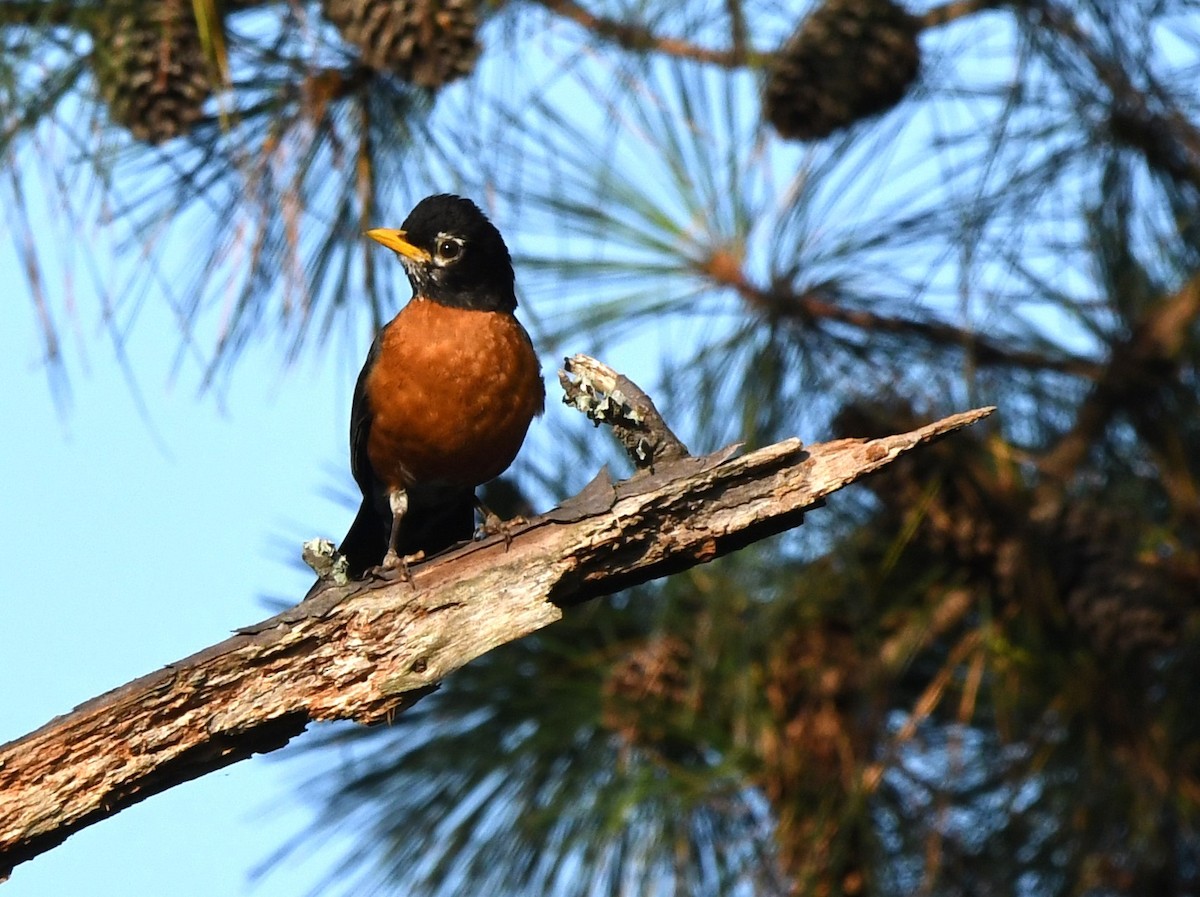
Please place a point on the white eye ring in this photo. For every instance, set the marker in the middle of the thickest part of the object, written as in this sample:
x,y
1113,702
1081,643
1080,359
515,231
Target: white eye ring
x,y
447,249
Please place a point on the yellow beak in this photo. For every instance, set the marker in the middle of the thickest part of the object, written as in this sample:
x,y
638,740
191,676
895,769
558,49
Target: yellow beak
x,y
395,241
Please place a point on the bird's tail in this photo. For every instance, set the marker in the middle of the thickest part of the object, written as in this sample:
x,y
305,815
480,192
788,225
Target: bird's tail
x,y
366,541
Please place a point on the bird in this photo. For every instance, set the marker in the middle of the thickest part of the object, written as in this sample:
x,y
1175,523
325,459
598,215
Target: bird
x,y
447,393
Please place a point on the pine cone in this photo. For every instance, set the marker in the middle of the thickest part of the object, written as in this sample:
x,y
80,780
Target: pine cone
x,y
424,42
645,689
1118,603
848,60
150,67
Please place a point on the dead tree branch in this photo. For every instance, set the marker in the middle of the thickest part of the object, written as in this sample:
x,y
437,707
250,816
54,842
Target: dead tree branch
x,y
366,651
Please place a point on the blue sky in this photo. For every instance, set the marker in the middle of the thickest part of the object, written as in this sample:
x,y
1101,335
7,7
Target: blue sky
x,y
126,550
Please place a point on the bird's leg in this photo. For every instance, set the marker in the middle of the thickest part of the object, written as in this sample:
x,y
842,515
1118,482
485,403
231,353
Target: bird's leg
x,y
398,502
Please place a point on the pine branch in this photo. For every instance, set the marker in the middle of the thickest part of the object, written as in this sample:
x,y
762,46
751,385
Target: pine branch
x,y
1137,368
638,38
738,32
1167,140
954,10
810,306
641,39
983,351
366,651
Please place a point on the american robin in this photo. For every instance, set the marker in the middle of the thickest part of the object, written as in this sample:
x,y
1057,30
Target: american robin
x,y
447,392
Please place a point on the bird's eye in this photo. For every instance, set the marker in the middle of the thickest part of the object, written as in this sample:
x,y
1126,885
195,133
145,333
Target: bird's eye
x,y
449,250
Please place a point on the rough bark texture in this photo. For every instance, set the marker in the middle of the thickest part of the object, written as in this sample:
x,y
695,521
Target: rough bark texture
x,y
366,651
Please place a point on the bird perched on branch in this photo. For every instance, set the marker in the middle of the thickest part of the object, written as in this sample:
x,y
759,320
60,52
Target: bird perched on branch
x,y
447,392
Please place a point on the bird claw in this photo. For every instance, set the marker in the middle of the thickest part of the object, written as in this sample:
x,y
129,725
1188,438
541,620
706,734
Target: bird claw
x,y
493,526
393,561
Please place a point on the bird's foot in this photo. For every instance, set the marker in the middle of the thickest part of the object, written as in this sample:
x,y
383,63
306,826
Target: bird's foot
x,y
393,560
493,526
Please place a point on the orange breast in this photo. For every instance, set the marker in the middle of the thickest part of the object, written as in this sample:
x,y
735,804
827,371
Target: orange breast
x,y
452,394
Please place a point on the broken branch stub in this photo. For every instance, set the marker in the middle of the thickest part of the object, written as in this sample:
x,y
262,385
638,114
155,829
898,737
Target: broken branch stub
x,y
607,397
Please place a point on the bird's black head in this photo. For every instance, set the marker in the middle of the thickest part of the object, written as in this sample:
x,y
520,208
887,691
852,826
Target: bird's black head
x,y
453,254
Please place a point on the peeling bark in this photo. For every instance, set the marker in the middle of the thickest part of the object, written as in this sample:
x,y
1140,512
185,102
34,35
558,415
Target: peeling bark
x,y
366,651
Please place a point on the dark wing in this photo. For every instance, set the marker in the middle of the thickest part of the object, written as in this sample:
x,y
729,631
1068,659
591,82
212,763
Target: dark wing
x,y
360,425
366,541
